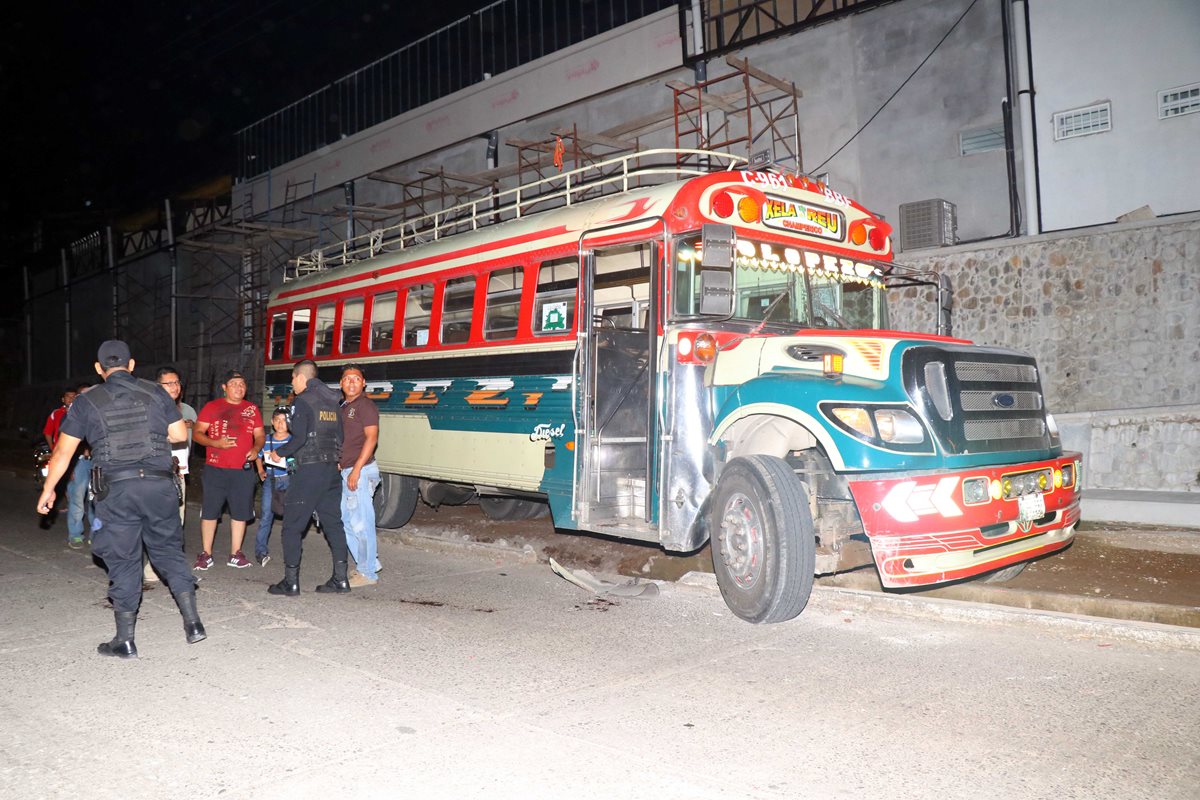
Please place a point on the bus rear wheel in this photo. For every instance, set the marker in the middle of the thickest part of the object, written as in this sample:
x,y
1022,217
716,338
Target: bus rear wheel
x,y
763,540
395,500
511,508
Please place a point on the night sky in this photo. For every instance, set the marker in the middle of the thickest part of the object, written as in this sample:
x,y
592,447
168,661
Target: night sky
x,y
110,107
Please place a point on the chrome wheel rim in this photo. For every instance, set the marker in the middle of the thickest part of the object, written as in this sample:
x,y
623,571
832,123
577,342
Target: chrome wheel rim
x,y
742,540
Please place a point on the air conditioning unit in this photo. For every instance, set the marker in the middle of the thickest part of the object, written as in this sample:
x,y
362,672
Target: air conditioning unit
x,y
928,223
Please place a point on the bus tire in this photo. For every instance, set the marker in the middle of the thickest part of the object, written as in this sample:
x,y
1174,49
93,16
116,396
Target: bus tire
x,y
1004,574
763,540
508,508
395,500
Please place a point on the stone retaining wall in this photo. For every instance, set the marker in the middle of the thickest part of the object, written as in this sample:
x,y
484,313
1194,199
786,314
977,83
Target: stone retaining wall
x,y
1113,316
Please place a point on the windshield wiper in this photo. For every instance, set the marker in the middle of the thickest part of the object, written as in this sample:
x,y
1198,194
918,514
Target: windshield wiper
x,y
838,318
787,290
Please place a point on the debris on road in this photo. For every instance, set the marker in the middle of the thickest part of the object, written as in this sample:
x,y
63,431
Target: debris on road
x,y
590,583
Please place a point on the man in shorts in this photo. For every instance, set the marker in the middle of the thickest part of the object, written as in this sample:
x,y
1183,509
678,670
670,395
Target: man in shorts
x,y
231,429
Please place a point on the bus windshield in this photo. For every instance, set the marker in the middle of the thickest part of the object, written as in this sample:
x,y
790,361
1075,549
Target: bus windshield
x,y
789,286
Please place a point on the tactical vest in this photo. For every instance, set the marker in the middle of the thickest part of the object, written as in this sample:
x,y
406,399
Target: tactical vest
x,y
324,440
126,438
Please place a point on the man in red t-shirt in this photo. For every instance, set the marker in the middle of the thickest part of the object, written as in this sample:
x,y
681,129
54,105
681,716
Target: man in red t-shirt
x,y
231,430
50,429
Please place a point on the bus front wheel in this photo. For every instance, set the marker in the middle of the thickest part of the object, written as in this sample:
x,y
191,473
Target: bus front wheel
x,y
763,539
395,500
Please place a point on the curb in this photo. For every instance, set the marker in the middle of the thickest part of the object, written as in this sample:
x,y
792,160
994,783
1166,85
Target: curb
x,y
1033,600
836,599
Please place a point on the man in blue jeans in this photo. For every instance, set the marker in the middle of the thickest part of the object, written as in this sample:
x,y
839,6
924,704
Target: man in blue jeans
x,y
77,489
360,475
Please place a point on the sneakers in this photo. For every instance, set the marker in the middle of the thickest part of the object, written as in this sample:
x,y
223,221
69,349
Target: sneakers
x,y
262,560
75,544
203,561
357,580
238,561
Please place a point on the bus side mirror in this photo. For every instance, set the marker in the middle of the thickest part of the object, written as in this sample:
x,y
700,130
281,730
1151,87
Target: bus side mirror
x,y
716,246
716,270
716,292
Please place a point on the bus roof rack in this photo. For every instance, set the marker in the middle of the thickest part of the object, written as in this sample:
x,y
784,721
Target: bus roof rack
x,y
617,174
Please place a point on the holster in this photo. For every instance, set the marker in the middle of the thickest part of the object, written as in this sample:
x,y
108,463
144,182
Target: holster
x,y
99,484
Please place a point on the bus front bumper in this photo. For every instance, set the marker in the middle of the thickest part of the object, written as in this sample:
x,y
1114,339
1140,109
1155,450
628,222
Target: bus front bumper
x,y
932,528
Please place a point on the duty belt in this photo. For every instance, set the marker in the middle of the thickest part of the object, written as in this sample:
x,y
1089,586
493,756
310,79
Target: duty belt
x,y
130,473
318,459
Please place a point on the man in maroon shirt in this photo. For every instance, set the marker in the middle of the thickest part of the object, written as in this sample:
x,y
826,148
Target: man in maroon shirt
x,y
360,476
231,429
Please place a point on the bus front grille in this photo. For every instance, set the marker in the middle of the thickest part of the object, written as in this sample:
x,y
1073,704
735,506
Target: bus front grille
x,y
978,400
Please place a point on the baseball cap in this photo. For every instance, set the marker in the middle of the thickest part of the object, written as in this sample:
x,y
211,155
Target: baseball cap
x,y
233,373
113,353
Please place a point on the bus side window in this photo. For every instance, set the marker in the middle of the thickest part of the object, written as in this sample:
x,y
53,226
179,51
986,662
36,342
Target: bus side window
x,y
418,306
503,303
383,321
554,302
458,301
323,335
278,335
352,320
300,320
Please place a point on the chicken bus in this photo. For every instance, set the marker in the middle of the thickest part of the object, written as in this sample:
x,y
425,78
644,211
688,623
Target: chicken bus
x,y
685,353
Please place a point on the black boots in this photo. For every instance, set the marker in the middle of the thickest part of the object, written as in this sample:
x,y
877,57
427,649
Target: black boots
x,y
192,626
290,585
338,582
122,645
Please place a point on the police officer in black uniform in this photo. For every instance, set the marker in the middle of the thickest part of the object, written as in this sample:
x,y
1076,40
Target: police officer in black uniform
x,y
129,423
317,483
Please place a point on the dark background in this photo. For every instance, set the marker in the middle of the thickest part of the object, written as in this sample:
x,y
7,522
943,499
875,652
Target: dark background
x,y
110,107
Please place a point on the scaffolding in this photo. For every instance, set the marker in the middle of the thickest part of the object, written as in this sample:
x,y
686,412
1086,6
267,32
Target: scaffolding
x,y
745,117
198,299
747,111
235,257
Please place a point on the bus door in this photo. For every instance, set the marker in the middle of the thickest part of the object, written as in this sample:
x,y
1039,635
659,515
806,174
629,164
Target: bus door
x,y
615,379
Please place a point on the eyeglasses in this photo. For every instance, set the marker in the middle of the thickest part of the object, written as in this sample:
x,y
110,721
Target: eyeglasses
x,y
168,383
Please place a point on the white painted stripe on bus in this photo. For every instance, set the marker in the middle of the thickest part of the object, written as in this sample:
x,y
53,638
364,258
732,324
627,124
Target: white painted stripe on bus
x,y
481,350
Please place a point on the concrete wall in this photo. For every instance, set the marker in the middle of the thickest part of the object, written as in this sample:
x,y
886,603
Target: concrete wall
x,y
1150,449
848,69
845,69
618,58
1089,51
1113,316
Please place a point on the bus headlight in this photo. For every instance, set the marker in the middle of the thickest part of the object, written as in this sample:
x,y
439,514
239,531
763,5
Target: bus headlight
x,y
898,427
893,427
975,491
856,419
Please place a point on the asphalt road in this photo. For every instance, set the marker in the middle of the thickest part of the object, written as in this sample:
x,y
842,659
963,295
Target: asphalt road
x,y
468,672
